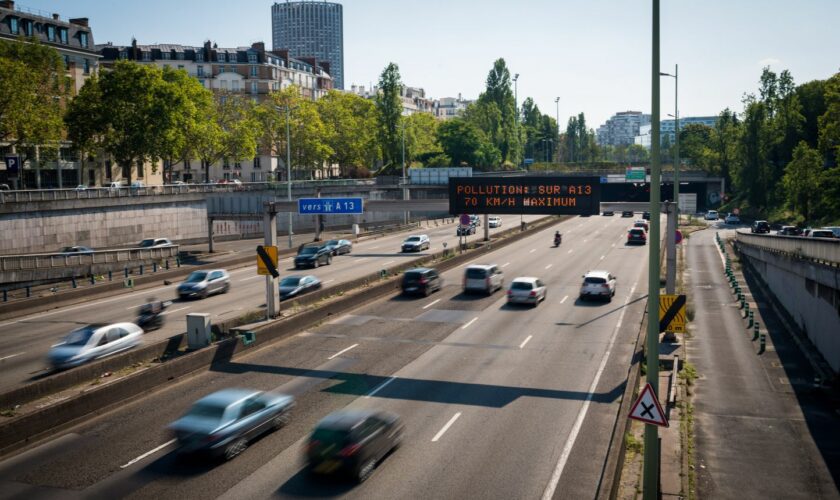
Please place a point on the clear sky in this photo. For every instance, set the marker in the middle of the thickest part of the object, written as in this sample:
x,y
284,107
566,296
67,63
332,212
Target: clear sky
x,y
593,54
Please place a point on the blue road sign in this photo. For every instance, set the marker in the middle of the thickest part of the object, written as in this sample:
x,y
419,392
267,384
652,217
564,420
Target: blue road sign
x,y
330,206
528,161
12,165
604,180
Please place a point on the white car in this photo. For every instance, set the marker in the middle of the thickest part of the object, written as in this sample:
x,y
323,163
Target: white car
x,y
485,278
495,221
93,342
711,215
526,290
821,233
599,284
732,219
834,229
416,243
156,243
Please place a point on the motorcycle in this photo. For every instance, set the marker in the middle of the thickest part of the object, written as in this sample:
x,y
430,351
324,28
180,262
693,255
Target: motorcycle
x,y
148,319
557,240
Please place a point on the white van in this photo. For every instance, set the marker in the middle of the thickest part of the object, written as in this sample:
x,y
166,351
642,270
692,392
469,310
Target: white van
x,y
485,278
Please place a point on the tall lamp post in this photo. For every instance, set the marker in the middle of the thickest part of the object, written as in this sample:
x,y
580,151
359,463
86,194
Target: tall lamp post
x,y
557,112
516,111
288,111
673,220
405,189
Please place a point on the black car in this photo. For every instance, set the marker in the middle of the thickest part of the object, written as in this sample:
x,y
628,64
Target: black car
x,y
627,213
339,247
646,215
609,213
465,230
422,281
352,442
294,285
760,226
313,256
789,231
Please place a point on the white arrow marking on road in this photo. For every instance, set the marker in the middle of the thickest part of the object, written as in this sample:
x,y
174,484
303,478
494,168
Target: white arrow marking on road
x,y
525,341
469,323
430,304
339,353
564,299
446,427
144,455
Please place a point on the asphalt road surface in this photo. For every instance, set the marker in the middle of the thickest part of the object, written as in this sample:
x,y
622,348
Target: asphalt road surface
x,y
25,342
498,401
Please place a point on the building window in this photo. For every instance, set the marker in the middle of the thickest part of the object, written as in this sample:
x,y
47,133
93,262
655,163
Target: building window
x,y
125,171
254,71
123,55
13,25
221,57
50,33
109,172
62,33
66,62
225,164
166,55
234,85
199,70
140,170
275,85
252,58
180,56
237,165
254,87
180,66
257,164
27,27
147,55
227,176
187,165
224,84
254,177
87,66
199,56
83,39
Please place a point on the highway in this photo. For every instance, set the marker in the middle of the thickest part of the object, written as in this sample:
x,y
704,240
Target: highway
x,y
498,401
25,341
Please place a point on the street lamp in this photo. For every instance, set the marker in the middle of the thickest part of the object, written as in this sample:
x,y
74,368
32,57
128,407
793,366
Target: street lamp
x,y
676,116
405,189
674,212
557,105
516,110
288,110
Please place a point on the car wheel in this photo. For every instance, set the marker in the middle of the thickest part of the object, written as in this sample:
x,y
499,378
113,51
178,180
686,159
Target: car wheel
x,y
365,470
226,289
280,420
204,294
315,265
329,260
235,448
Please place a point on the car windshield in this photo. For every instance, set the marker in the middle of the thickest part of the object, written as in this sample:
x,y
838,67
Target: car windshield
x,y
330,436
412,239
476,273
207,410
594,280
308,250
332,243
290,281
521,285
822,234
196,276
68,249
147,243
80,336
412,276
635,231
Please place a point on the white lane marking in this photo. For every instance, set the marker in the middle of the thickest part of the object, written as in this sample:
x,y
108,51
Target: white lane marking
x,y
328,281
585,241
469,323
174,310
251,278
339,353
525,341
602,258
564,299
548,494
4,358
613,245
150,452
380,387
533,250
571,250
430,304
446,427
132,307
389,262
374,247
548,266
506,264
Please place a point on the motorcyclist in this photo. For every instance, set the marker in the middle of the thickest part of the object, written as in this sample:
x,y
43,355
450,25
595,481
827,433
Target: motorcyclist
x,y
153,306
557,237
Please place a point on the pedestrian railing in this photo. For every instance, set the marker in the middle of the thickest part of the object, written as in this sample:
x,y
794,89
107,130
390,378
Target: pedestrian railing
x,y
815,249
30,262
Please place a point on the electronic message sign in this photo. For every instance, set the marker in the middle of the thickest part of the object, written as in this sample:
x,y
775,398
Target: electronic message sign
x,y
525,195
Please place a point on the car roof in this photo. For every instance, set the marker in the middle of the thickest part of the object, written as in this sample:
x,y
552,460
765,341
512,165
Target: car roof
x,y
345,419
226,397
526,279
419,270
599,273
637,229
481,266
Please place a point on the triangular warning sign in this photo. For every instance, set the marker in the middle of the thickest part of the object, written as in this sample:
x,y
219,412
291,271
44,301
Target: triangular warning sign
x,y
647,408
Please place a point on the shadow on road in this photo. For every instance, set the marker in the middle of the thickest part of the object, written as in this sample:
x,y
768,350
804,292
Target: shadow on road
x,y
306,485
611,311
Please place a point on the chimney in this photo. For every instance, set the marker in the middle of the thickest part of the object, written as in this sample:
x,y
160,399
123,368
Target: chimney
x,y
325,65
7,4
56,17
80,21
258,46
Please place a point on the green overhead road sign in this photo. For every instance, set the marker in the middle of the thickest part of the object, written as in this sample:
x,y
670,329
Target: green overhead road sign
x,y
634,174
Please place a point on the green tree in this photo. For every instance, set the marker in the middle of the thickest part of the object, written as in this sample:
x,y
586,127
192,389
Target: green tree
x,y
695,141
752,176
460,141
81,120
829,122
725,140
637,153
498,91
349,130
811,96
802,180
389,108
33,86
421,142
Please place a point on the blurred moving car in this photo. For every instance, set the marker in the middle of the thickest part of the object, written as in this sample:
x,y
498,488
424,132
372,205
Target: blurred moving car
x,y
485,278
526,290
203,283
475,220
76,250
313,256
155,243
636,235
711,215
416,243
352,442
92,342
642,224
760,226
835,230
822,233
732,219
608,213
789,231
421,280
465,230
598,284
292,286
81,187
646,215
224,422
339,247
627,213
495,221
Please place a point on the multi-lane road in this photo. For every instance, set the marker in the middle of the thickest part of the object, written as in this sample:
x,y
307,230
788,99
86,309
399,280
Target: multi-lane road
x,y
24,342
498,401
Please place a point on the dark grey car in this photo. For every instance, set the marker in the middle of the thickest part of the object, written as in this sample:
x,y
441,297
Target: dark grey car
x,y
295,285
223,423
312,256
339,247
200,284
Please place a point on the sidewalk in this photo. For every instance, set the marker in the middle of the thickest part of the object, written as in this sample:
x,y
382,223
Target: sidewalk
x,y
761,428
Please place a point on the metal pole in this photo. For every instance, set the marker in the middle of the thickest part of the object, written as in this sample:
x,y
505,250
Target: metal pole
x,y
651,453
289,172
516,112
557,112
270,229
674,218
404,190
677,140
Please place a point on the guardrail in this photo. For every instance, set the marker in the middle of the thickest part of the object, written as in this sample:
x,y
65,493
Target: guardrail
x,y
816,249
35,262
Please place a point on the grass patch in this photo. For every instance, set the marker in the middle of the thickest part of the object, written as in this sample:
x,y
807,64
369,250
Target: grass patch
x,y
8,412
688,373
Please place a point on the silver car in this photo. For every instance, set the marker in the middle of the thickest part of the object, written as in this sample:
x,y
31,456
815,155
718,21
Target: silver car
x,y
200,284
93,342
526,290
485,278
600,284
294,285
223,423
